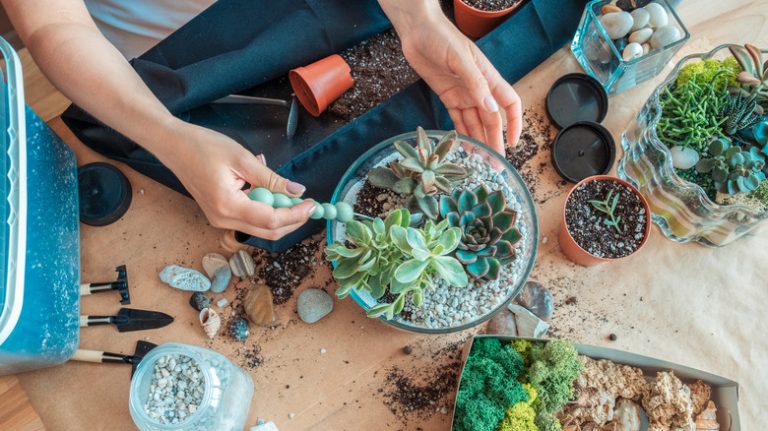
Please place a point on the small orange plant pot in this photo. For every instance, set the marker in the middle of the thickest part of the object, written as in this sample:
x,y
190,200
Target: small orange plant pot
x,y
320,83
476,23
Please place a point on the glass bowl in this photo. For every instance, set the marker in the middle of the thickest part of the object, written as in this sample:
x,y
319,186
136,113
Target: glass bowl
x,y
527,248
680,208
600,58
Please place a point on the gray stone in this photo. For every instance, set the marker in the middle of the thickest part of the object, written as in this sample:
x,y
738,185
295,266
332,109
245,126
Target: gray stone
x,y
528,325
663,36
632,51
185,278
503,323
657,15
683,157
537,299
616,24
313,305
641,36
640,19
212,262
221,279
239,329
199,300
242,264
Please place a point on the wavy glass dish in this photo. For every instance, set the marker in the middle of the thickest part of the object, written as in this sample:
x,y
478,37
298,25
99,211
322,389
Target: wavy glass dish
x,y
527,248
680,208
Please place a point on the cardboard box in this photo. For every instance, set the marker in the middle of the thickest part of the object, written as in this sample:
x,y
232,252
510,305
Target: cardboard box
x,y
725,393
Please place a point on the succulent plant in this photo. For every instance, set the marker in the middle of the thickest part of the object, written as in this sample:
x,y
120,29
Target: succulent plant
x,y
488,232
608,207
755,71
732,169
389,255
421,173
741,112
756,136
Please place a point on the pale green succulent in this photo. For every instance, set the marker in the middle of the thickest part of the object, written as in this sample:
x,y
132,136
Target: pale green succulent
x,y
422,172
389,255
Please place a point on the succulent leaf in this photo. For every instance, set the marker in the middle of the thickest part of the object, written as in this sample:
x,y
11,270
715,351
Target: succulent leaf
x,y
382,177
480,267
450,270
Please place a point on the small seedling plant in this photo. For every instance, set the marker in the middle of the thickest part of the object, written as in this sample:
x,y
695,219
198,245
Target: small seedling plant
x,y
608,207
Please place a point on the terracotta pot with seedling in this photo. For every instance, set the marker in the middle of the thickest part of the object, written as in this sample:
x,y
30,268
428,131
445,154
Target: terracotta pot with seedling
x,y
604,219
476,18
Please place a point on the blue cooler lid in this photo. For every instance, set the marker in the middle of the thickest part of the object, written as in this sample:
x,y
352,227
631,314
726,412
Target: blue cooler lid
x,y
13,204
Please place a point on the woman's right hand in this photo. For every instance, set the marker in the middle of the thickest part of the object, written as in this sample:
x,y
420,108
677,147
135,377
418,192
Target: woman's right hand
x,y
214,169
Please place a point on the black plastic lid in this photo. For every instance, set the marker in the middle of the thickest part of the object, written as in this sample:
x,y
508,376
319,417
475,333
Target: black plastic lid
x,y
576,97
583,149
105,193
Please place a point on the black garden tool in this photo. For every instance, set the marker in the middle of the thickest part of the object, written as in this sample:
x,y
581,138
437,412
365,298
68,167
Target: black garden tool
x,y
292,105
121,285
142,348
128,319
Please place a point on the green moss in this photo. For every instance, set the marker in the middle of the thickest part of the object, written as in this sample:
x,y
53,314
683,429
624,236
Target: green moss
x,y
554,367
705,71
761,193
520,417
523,347
488,386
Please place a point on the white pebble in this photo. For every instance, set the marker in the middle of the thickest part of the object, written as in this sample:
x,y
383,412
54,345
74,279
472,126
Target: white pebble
x,y
684,158
641,36
657,15
616,24
664,36
639,18
632,51
322,351
222,302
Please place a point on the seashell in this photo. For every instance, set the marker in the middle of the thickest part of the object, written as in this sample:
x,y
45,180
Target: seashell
x,y
212,262
258,306
211,321
707,420
242,264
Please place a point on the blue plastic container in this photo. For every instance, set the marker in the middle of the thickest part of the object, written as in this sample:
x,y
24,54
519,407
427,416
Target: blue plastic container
x,y
40,254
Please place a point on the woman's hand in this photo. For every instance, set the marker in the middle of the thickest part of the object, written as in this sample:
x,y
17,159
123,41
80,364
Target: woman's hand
x,y
214,169
472,90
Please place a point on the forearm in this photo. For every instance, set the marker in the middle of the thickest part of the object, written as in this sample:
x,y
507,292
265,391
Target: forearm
x,y
91,72
408,14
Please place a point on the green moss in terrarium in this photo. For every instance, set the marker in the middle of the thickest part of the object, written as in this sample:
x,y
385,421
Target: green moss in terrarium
x,y
489,385
554,367
521,416
761,194
706,71
523,347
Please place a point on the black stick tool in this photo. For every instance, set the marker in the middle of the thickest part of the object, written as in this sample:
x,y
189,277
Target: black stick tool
x,y
142,348
121,285
128,319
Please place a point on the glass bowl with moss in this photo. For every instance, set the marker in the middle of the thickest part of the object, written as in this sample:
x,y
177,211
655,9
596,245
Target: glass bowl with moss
x,y
444,236
697,150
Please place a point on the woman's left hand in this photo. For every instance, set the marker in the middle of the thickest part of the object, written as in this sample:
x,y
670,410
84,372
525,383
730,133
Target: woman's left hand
x,y
472,89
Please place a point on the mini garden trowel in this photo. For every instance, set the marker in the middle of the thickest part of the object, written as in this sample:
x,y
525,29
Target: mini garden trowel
x,y
121,285
142,348
128,319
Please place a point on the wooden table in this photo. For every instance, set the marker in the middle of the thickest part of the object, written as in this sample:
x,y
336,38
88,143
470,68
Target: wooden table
x,y
685,303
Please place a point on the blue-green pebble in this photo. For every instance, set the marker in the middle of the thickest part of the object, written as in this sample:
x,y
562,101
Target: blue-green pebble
x,y
344,212
260,194
330,212
296,201
282,201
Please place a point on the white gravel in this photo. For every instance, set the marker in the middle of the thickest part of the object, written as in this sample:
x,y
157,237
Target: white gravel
x,y
176,389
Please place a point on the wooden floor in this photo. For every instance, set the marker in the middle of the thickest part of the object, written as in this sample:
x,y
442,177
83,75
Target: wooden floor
x,y
302,389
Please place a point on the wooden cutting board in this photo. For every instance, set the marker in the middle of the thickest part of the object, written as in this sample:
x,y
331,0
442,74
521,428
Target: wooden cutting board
x,y
16,413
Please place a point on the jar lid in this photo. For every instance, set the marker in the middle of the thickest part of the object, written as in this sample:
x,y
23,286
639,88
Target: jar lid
x,y
576,97
583,149
105,193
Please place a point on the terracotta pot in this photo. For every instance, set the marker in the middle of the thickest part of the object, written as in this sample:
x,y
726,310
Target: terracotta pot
x,y
573,250
319,84
476,23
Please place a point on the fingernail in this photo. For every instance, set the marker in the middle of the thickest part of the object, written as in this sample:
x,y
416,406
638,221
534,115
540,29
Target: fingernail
x,y
262,159
294,188
491,105
312,208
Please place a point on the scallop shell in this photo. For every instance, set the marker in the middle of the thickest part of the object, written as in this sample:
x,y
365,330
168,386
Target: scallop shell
x,y
211,321
707,420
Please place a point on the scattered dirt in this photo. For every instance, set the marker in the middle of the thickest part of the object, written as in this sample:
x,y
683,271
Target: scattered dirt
x,y
421,392
538,134
492,5
250,357
587,224
283,272
380,71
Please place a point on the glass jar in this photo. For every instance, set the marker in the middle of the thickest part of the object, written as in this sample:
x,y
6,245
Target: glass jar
x,y
227,391
354,178
601,59
680,208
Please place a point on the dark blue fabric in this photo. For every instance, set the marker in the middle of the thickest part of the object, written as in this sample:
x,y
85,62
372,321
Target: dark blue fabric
x,y
221,52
